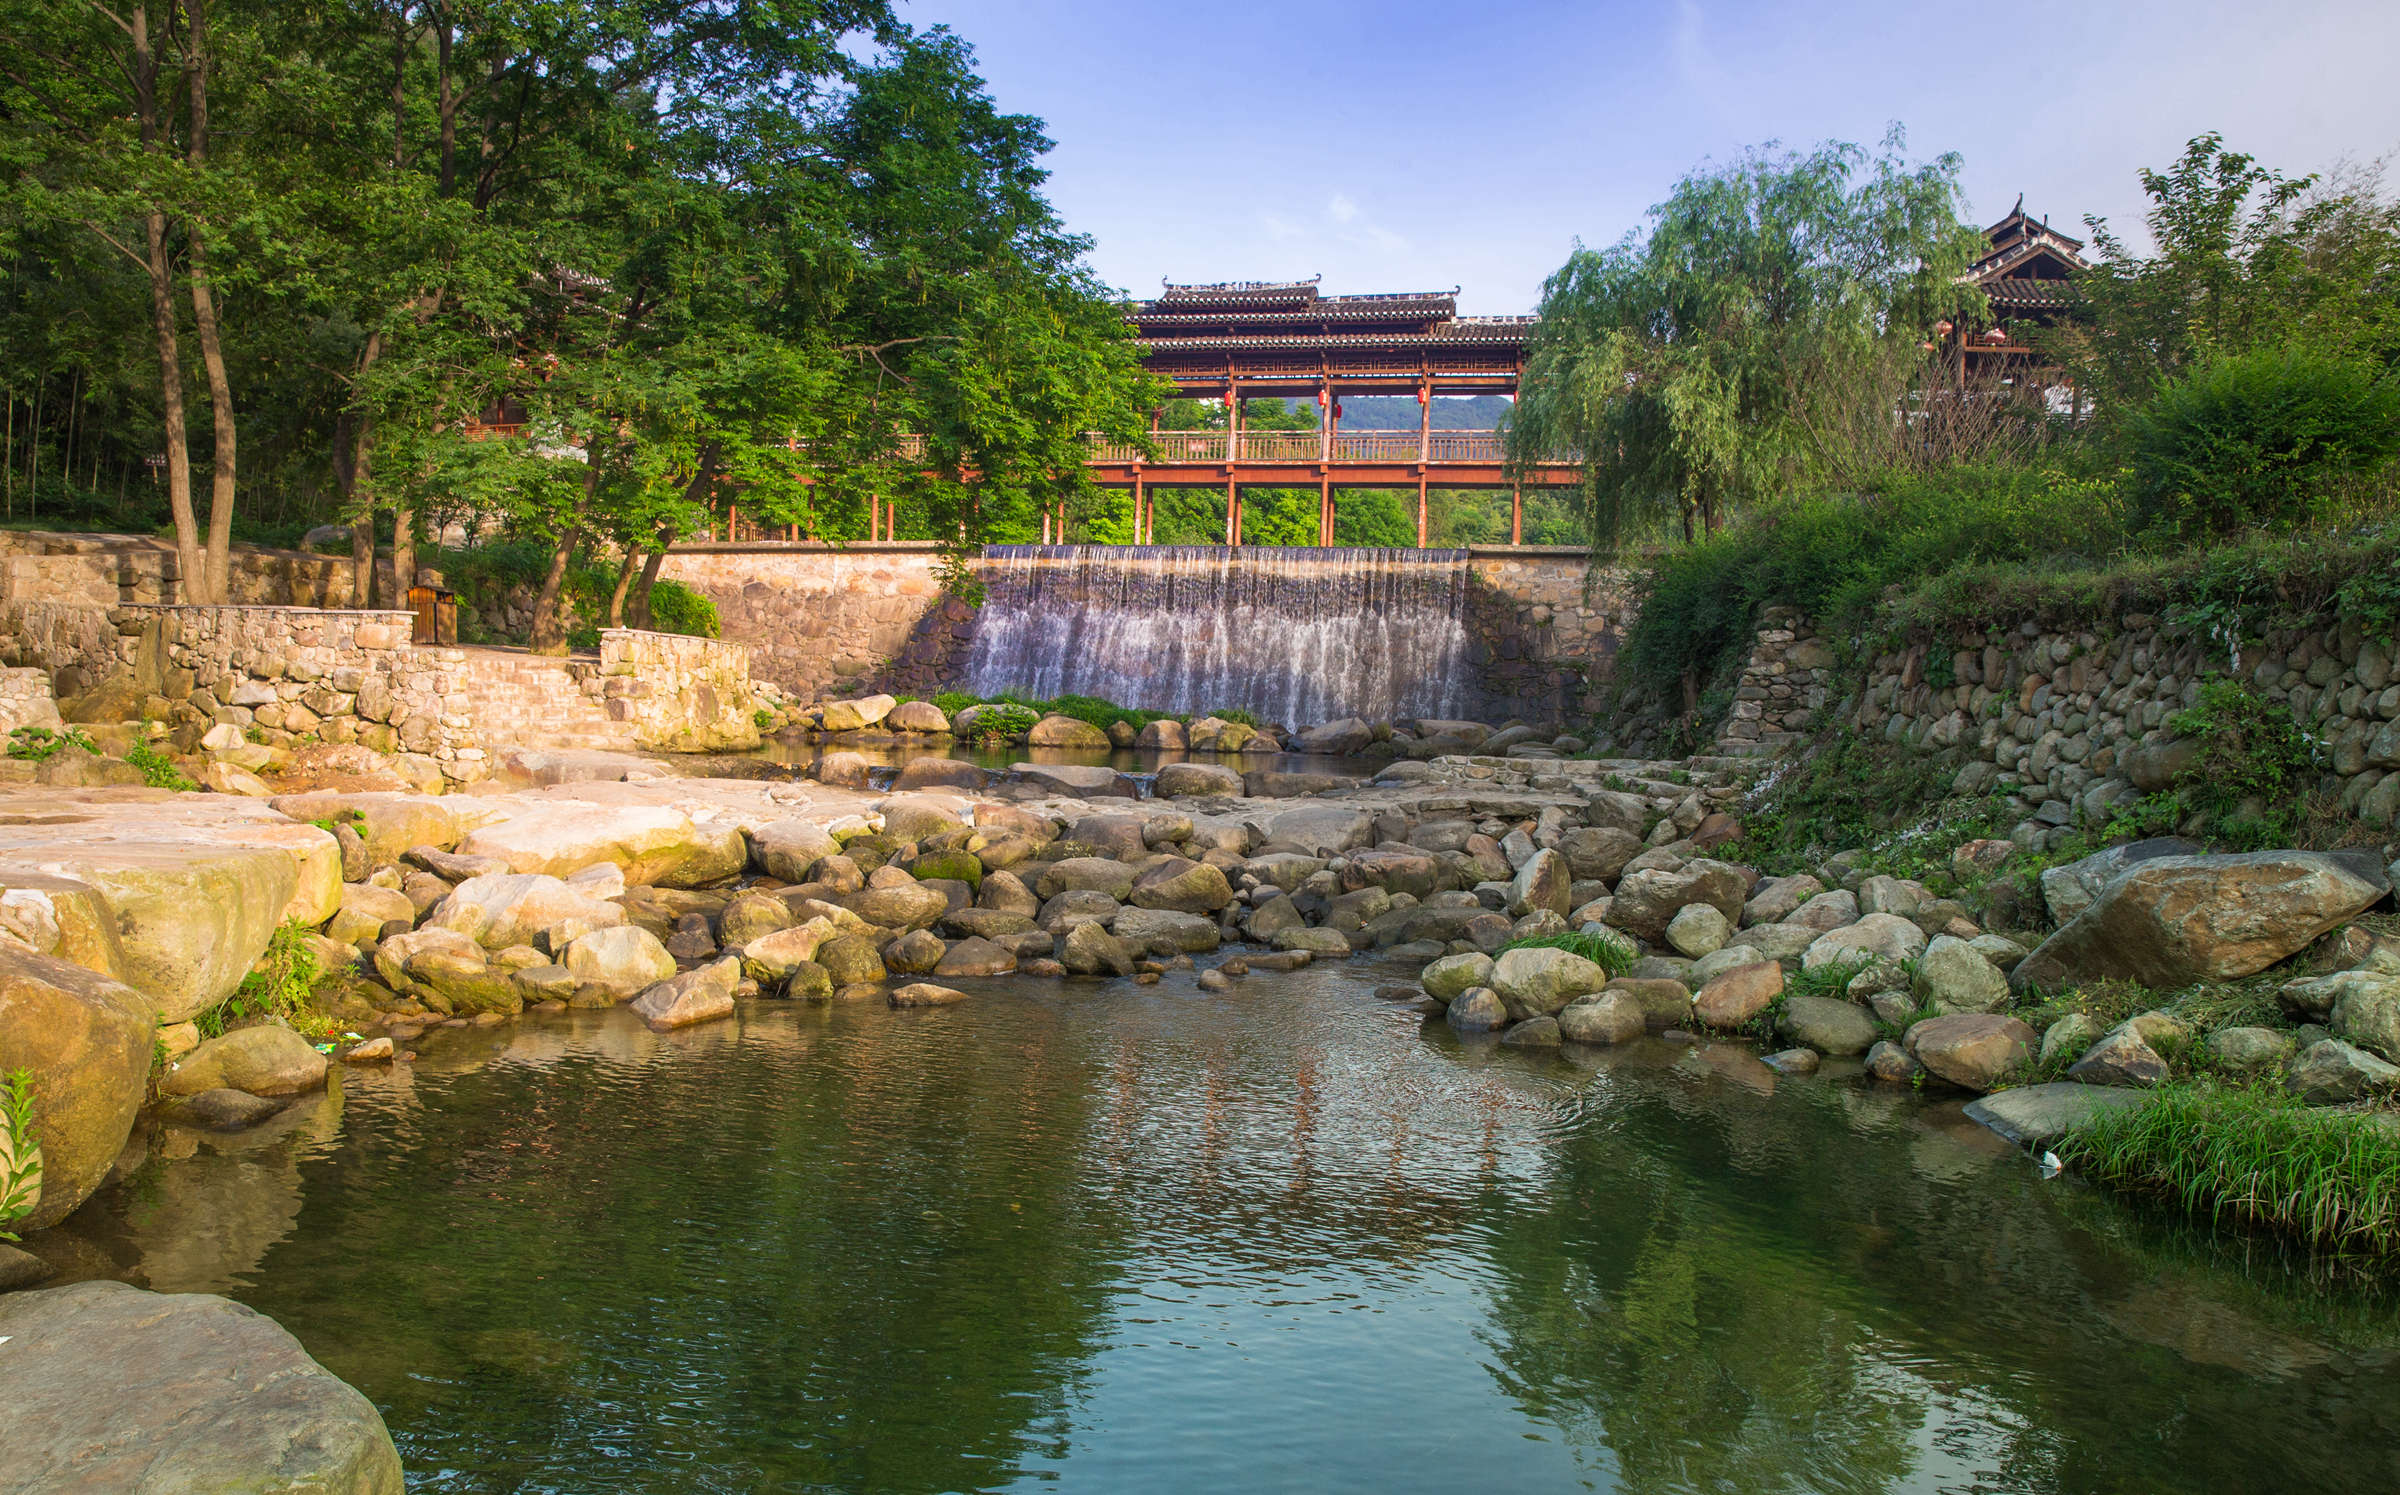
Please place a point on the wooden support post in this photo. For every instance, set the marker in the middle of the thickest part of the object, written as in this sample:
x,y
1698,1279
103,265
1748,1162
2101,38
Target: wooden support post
x,y
1516,514
1137,510
1231,513
1421,515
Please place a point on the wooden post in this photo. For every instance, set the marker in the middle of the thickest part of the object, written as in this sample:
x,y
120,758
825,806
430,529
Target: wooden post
x,y
1230,541
1516,514
1137,508
1421,527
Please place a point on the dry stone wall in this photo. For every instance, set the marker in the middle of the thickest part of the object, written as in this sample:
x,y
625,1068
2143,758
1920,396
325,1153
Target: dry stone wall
x,y
682,694
25,700
108,570
1543,631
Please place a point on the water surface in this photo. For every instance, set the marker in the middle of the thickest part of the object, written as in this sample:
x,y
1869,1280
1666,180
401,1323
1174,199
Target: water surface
x,y
1114,1238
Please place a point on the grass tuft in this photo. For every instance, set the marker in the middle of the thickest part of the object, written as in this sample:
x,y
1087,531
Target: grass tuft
x,y
2252,1155
1610,952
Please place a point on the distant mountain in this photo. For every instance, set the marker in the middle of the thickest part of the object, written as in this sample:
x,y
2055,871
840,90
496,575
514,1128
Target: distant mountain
x,y
1399,412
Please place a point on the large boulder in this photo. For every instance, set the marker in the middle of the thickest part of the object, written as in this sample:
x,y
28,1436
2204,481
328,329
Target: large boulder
x,y
1778,898
1826,1024
940,773
1538,982
2170,921
1601,1017
2368,1014
1190,780
1066,732
1321,830
1085,874
1875,939
917,716
1445,978
1647,900
1598,852
771,958
390,823
1395,869
1090,950
1953,976
855,716
266,1059
696,996
1731,1000
87,1041
2122,1057
2071,889
2038,1115
1183,886
511,908
109,1387
1542,882
622,960
2331,1072
61,916
1335,739
907,906
786,849
653,844
1972,1050
365,909
1157,929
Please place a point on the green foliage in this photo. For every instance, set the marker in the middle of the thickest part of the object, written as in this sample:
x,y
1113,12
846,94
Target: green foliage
x,y
1856,791
1238,716
2252,779
1606,949
1833,557
2253,1155
277,986
23,1177
1683,363
159,770
2265,437
1004,723
41,744
763,719
1101,714
952,702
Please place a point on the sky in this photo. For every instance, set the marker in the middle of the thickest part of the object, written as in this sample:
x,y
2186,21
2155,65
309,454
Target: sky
x,y
1408,145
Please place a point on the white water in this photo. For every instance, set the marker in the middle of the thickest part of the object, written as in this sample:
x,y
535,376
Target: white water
x,y
1296,635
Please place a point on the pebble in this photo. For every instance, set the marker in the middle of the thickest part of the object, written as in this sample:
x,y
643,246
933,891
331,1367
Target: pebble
x,y
1214,981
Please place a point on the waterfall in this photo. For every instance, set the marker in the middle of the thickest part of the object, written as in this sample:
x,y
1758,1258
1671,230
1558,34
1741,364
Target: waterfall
x,y
1296,635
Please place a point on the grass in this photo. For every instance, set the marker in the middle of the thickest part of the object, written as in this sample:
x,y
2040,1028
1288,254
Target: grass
x,y
22,1175
2256,1157
40,744
159,770
277,987
1610,952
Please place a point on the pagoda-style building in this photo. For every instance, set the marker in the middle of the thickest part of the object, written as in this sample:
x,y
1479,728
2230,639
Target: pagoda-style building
x,y
1240,340
2026,276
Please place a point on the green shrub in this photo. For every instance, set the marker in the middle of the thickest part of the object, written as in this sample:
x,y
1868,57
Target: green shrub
x,y
23,1176
2253,779
2262,438
40,744
2252,1156
277,986
1004,723
159,770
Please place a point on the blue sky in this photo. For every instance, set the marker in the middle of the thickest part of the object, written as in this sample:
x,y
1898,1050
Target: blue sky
x,y
1408,145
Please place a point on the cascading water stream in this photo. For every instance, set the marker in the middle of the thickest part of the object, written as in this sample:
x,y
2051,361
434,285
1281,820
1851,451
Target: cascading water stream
x,y
1296,635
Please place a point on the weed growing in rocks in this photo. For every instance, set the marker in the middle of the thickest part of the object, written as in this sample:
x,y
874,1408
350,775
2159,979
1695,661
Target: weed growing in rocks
x,y
277,986
40,744
2253,1155
20,1170
159,770
1609,951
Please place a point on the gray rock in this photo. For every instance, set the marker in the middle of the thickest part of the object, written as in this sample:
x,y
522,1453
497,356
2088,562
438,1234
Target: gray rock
x,y
2173,920
2330,1071
1875,938
2121,1057
268,1059
2038,1115
2070,889
1453,974
1533,1033
697,996
1699,929
1604,1017
1090,950
109,1387
1157,930
1826,911
1953,976
2250,1050
1648,900
2368,1015
1542,882
1778,898
222,1110
1476,1010
1890,1062
1538,982
1330,942
1793,1062
1826,1024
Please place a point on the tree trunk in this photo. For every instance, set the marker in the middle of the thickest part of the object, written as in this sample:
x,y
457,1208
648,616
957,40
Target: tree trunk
x,y
212,347
549,618
191,561
616,599
639,612
404,553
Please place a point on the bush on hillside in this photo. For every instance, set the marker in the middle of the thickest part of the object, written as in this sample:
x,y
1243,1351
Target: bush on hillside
x,y
2263,438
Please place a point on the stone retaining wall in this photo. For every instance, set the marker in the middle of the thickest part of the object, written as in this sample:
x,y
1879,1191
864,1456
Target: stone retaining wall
x,y
110,570
831,623
682,694
1784,686
25,700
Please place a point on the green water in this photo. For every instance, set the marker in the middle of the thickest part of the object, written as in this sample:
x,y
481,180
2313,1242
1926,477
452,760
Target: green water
x,y
1115,1238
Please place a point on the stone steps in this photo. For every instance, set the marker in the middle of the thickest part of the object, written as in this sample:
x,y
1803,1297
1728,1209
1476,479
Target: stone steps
x,y
519,700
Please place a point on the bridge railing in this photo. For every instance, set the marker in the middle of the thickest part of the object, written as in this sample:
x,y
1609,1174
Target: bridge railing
x,y
1381,447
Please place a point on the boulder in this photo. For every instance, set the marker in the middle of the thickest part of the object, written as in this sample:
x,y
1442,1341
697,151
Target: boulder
x,y
1157,929
844,770
1646,901
926,994
1874,939
1452,974
852,960
919,817
653,844
1162,735
1087,874
976,957
1542,882
511,908
2038,1115
1893,1064
2072,1034
1826,912
109,1387
771,958
751,916
1066,732
1826,1024
696,996
2070,889
1478,1009
1395,869
911,905
1699,929
2170,921
1665,1003
1598,851
1602,1017
787,849
366,908
1972,1050
2250,1051
1190,780
1533,1033
1319,830
621,960
1784,943
1090,950
940,773
914,953
2330,1072
1185,887
389,823
2313,998
1733,999
87,1041
917,716
1538,982
2121,1057
221,1110
1778,898
2368,1014
266,1059
1328,942
1953,976
856,716
1064,911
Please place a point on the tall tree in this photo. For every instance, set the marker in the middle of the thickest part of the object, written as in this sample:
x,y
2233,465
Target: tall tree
x,y
1677,361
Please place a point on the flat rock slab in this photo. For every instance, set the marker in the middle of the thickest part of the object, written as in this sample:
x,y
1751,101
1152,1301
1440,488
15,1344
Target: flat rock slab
x,y
109,1387
2038,1115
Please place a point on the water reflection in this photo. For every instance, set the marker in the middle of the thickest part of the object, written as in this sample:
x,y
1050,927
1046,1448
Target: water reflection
x,y
1285,1238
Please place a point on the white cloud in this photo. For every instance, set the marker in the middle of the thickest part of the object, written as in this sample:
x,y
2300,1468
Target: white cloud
x,y
1341,209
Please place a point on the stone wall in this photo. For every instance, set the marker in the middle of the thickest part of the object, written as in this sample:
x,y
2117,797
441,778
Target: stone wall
x,y
682,694
109,570
1783,689
831,623
25,700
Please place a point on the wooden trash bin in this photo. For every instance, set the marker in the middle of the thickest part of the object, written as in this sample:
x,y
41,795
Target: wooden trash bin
x,y
436,608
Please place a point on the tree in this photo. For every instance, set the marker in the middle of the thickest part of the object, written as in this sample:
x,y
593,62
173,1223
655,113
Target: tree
x,y
1678,362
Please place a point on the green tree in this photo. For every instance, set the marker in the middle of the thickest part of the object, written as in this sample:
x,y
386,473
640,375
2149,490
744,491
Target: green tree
x,y
1679,362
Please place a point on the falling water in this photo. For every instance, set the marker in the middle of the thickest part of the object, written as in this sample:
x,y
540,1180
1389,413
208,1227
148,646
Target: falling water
x,y
1295,635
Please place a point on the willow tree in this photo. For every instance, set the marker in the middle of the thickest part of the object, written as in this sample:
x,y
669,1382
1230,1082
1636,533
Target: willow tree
x,y
1682,361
